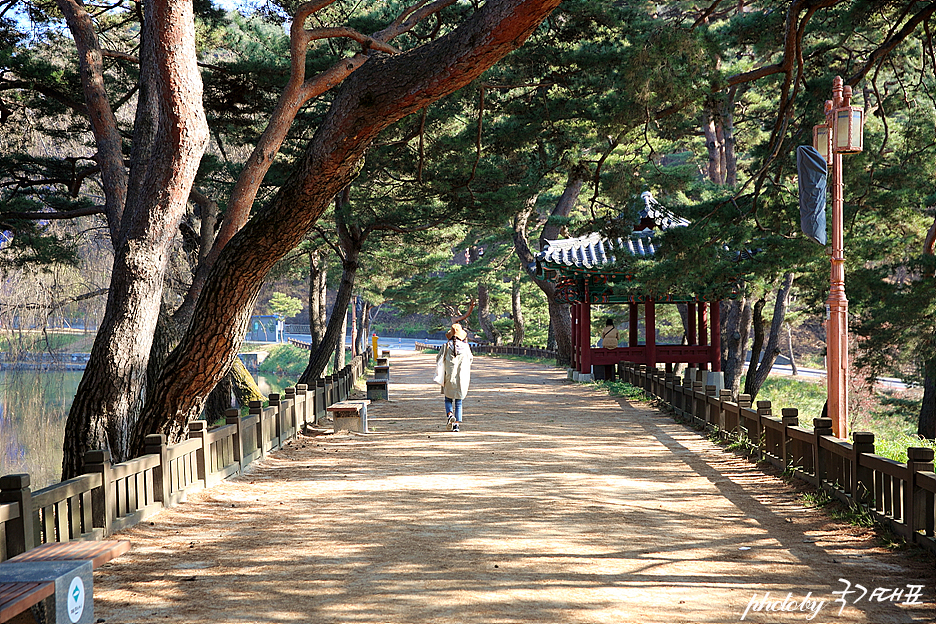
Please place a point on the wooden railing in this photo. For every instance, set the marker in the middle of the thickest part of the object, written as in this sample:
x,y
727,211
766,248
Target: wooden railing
x,y
111,497
900,496
501,350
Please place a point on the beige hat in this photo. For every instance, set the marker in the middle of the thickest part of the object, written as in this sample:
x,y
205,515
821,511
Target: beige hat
x,y
457,332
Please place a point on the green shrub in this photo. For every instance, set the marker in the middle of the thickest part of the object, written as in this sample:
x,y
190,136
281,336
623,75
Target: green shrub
x,y
285,360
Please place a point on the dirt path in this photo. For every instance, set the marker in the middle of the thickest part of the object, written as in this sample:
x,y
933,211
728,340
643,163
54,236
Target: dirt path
x,y
555,504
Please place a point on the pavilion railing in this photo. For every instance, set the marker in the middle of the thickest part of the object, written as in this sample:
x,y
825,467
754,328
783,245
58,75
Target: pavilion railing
x,y
111,497
480,347
901,496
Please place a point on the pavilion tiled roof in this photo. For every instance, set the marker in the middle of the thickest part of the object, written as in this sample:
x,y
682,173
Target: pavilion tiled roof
x,y
592,250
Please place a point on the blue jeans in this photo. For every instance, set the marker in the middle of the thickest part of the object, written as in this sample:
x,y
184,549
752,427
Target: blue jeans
x,y
457,408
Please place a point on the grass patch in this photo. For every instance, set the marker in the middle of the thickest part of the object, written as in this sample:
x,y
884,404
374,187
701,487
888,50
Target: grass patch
x,y
891,415
39,342
285,360
806,396
624,390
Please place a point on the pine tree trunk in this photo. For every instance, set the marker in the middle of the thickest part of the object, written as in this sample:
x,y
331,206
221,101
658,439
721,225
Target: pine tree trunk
x,y
731,157
772,349
757,346
517,311
244,387
383,91
926,426
484,316
792,357
110,394
737,333
354,326
560,315
219,401
350,241
340,347
317,295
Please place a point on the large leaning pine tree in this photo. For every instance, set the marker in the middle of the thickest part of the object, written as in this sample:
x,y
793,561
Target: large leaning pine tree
x,y
378,89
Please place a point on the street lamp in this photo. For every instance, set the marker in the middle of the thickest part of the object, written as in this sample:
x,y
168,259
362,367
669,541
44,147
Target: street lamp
x,y
840,134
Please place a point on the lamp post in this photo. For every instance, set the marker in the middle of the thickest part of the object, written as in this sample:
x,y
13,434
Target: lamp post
x,y
840,134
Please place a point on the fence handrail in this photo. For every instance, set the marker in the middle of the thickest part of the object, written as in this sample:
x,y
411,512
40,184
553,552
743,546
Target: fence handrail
x,y
111,497
899,495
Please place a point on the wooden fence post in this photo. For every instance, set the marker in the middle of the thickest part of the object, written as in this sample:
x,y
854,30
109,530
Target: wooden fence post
x,y
291,415
789,416
301,399
918,503
232,417
197,431
104,498
698,402
821,427
763,409
321,399
155,444
277,420
256,408
724,396
20,533
862,476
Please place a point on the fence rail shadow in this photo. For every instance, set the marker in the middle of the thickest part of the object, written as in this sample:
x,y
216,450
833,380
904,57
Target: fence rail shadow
x,y
899,496
110,497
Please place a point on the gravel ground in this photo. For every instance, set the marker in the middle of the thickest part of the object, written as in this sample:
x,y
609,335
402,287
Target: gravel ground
x,y
556,503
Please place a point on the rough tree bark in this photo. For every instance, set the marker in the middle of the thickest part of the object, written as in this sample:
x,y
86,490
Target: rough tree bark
x,y
175,130
560,316
756,377
517,311
484,303
734,345
317,295
350,242
926,426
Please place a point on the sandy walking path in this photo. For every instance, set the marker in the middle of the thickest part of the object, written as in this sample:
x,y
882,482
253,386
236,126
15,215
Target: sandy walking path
x,y
555,504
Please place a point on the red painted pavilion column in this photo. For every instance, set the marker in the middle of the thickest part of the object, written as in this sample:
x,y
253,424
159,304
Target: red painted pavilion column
x,y
633,337
585,336
575,330
650,326
715,350
702,330
691,338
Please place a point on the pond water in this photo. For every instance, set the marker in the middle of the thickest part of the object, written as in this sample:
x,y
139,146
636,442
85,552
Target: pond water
x,y
33,409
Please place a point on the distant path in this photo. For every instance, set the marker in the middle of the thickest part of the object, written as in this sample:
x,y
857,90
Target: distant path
x,y
557,504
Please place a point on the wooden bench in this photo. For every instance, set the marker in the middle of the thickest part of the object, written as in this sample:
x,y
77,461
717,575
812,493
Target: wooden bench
x,y
378,389
350,415
17,597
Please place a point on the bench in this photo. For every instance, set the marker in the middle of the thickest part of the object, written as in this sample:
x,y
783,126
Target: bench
x,y
378,389
43,572
381,372
382,361
349,415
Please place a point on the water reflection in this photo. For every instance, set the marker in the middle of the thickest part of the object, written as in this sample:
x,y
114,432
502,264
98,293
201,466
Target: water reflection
x,y
33,408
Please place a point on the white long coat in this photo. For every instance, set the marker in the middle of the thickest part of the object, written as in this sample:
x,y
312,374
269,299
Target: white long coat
x,y
457,371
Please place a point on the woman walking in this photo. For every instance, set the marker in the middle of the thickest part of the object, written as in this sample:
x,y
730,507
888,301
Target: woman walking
x,y
455,358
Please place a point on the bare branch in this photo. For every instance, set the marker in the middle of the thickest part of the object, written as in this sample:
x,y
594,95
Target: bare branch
x,y
6,217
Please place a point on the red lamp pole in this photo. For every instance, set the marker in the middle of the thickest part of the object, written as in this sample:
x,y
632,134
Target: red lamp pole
x,y
845,127
837,338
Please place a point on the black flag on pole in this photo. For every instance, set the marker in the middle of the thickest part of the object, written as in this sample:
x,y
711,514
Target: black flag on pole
x,y
811,168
